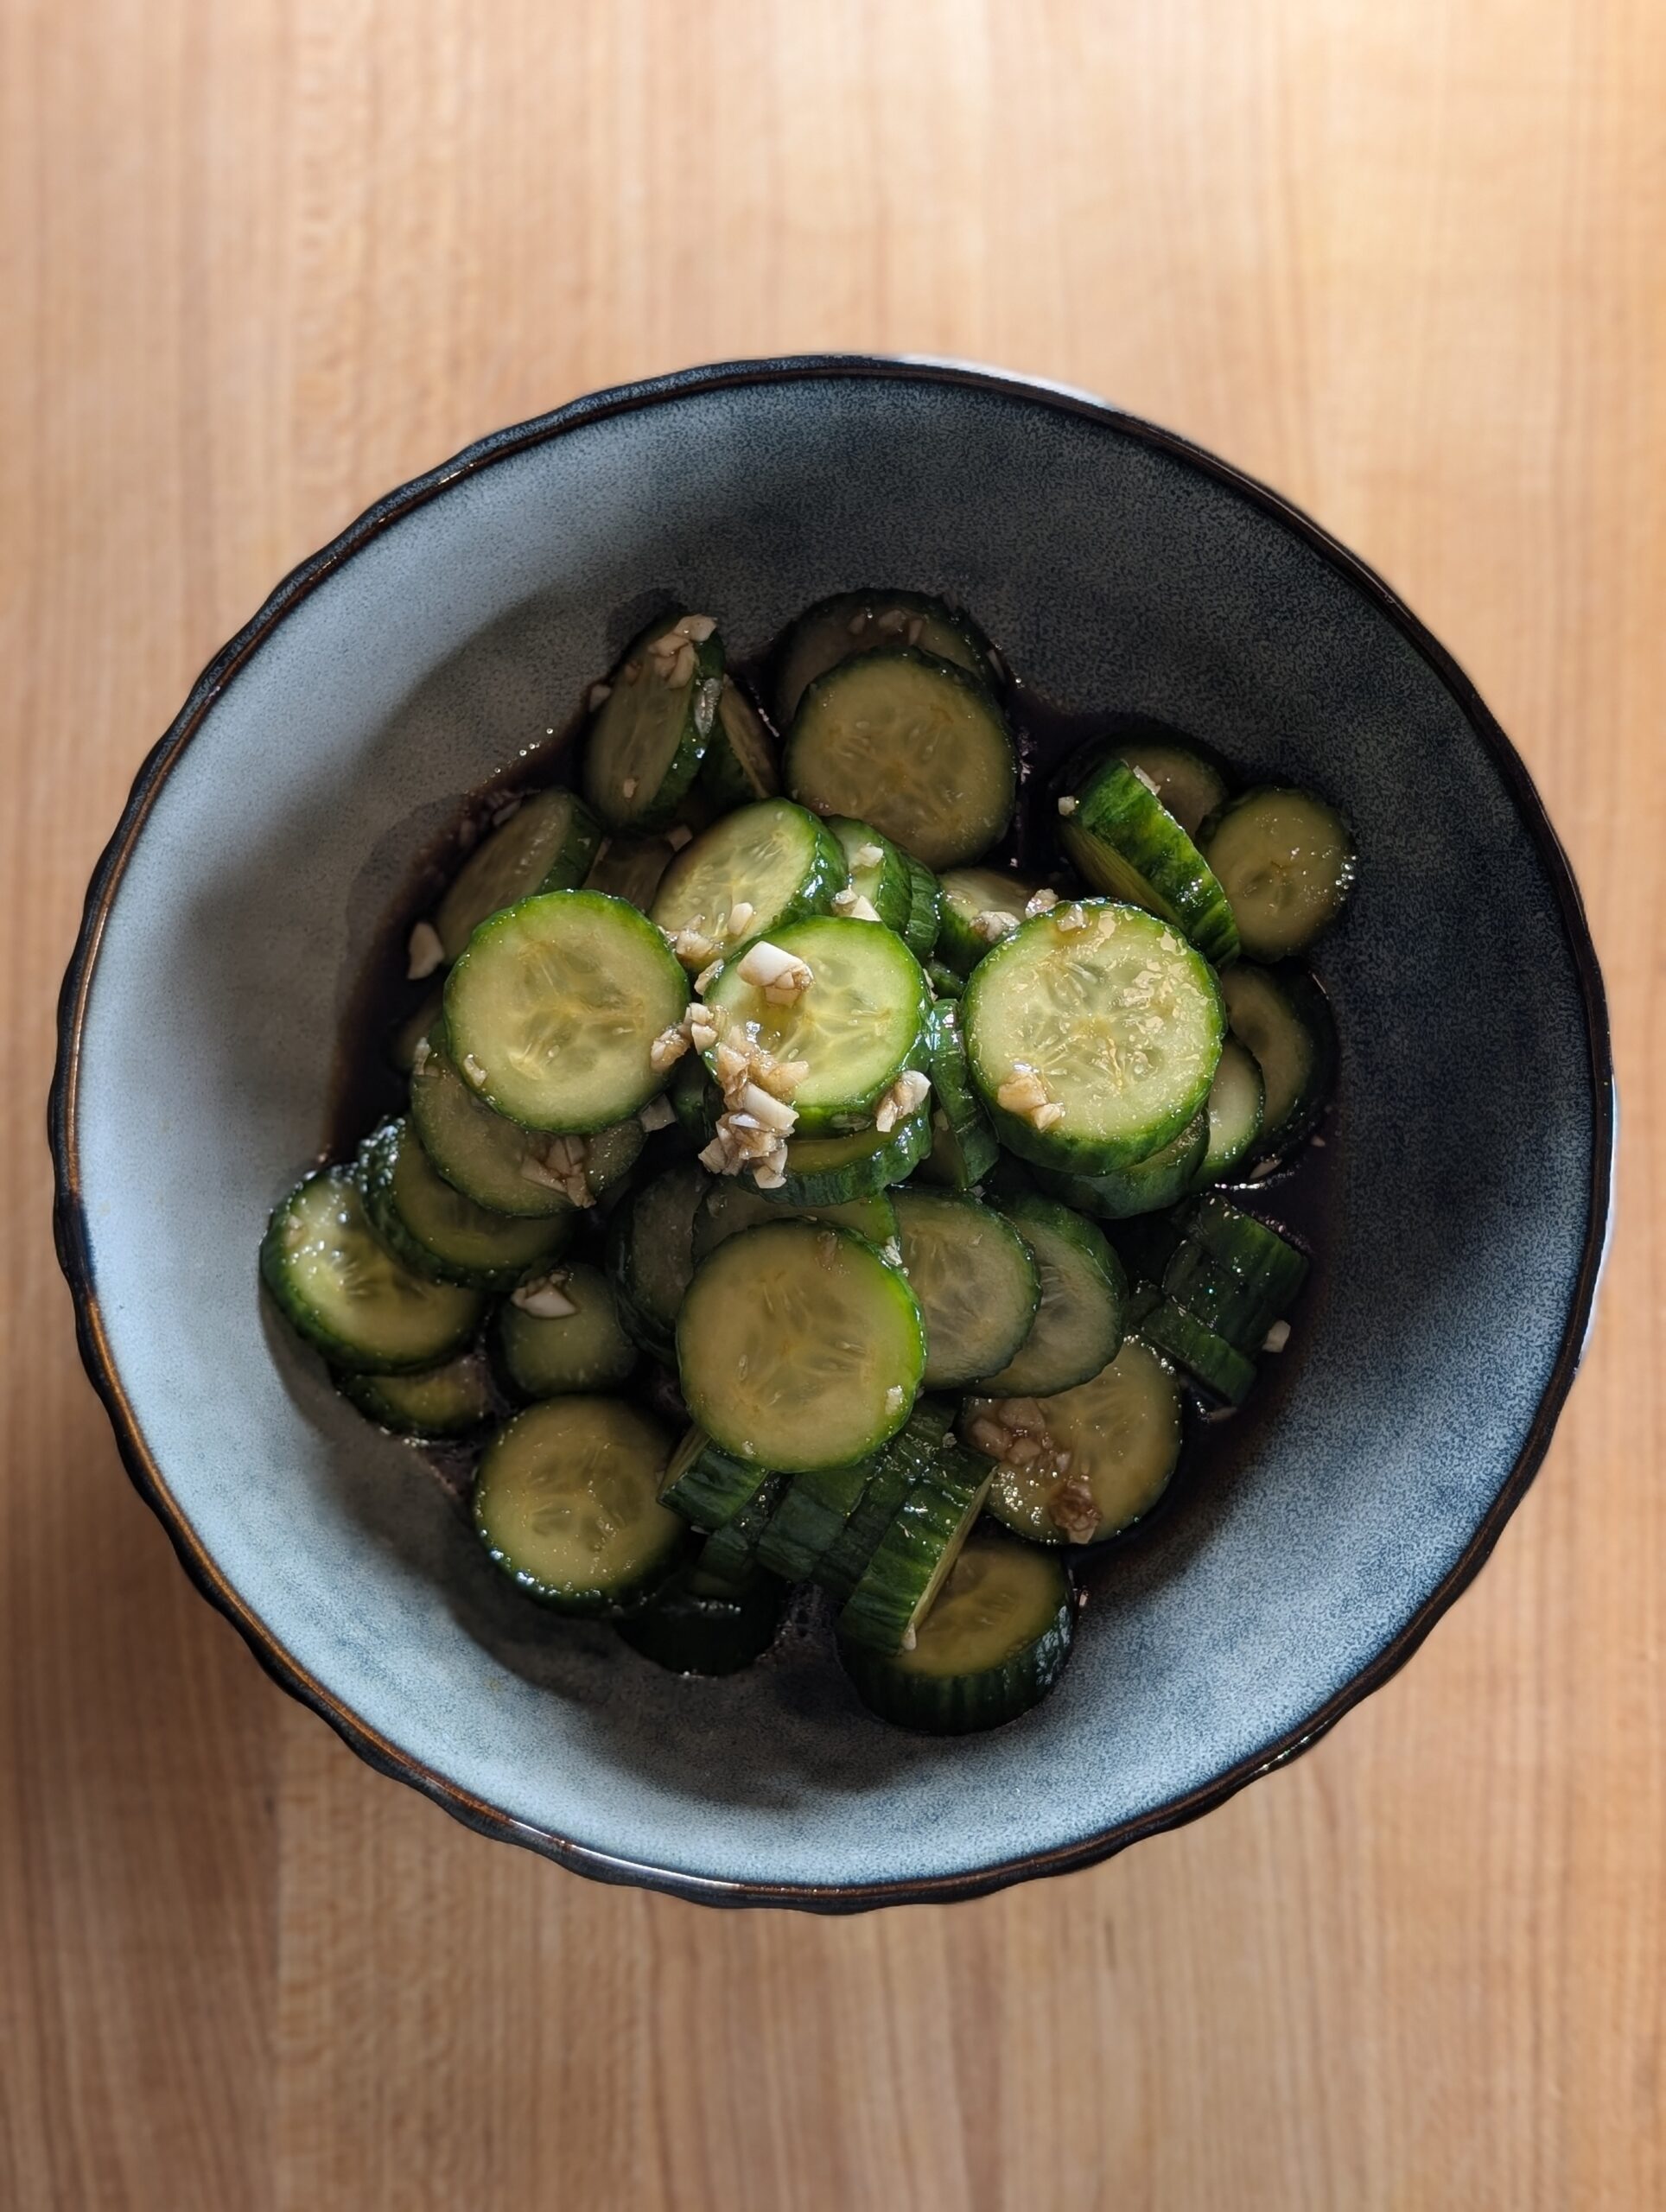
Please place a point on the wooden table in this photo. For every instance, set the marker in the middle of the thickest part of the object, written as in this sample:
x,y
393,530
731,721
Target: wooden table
x,y
263,260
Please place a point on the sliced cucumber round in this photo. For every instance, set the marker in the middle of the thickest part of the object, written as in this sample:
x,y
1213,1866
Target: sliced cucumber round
x,y
740,763
1093,1033
963,1147
1112,1445
913,744
913,1558
995,1642
1286,861
407,1039
1237,1101
1186,780
868,622
835,1171
696,1099
1239,1307
551,1011
453,1400
650,1254
1126,842
913,1452
432,1226
730,1552
1212,1363
496,1162
878,872
730,1205
977,906
547,844
708,1486
1144,1186
1077,1328
652,730
771,863
810,1517
857,1025
976,1281
919,933
566,1504
630,867
798,1347
1284,1020
1266,1263
341,1288
695,1624
547,1353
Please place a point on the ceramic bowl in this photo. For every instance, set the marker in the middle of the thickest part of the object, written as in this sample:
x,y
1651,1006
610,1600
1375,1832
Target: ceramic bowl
x,y
1118,567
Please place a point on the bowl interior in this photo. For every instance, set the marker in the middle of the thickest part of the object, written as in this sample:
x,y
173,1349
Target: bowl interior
x,y
1114,573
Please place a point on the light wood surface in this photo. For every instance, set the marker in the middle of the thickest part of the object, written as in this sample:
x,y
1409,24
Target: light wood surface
x,y
261,260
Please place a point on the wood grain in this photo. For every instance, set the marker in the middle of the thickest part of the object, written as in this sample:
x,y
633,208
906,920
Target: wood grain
x,y
262,259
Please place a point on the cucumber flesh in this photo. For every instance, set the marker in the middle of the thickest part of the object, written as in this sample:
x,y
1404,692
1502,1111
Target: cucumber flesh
x,y
501,1165
798,1347
913,744
1077,1328
740,763
858,1024
771,862
914,1556
1127,843
567,1505
1211,1361
341,1288
1287,862
452,1400
730,1205
868,622
920,930
976,1281
546,1353
433,1226
1109,1447
650,1254
1143,1186
909,1455
1100,1010
552,1010
996,1639
731,1552
963,1147
1236,1100
707,1485
547,844
630,867
1284,1020
652,730
833,1171
1190,786
689,1629
878,872
977,906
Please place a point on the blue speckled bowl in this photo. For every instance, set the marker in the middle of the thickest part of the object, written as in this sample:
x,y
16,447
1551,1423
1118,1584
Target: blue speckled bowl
x,y
1117,566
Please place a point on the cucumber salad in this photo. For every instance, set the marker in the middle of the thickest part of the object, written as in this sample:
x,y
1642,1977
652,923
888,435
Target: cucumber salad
x,y
792,1194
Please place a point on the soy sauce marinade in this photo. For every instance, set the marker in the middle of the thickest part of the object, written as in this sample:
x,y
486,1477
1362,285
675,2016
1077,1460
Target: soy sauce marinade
x,y
1299,1196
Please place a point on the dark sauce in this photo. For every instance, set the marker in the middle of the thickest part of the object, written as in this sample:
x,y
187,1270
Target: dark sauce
x,y
1300,1196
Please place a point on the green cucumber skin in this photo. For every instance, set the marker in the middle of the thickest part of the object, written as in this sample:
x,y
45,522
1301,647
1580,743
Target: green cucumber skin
x,y
723,776
1311,1008
378,1158
1248,1248
690,1632
569,869
731,1552
966,1704
696,1099
959,947
895,886
1096,1254
715,1487
653,1330
365,1394
1213,1365
1145,1186
936,1508
963,1145
892,1160
1237,1308
944,981
658,809
810,1518
824,874
909,1455
1121,838
844,603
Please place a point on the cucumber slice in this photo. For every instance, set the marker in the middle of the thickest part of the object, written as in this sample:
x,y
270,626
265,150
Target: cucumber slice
x,y
566,1504
740,763
709,1486
552,1009
650,732
1126,842
969,898
1186,781
913,1558
798,1347
547,1353
341,1288
731,1552
499,1164
1144,1187
810,1518
919,931
1077,1328
1121,1430
1239,1308
1257,1254
834,1170
913,744
865,621
909,1455
650,1254
630,869
1101,1010
408,1037
774,859
547,844
996,1641
432,1226
689,1629
1237,1101
877,871
696,1099
858,1024
963,1147
1210,1360
976,1281
1284,1020
454,1400
1286,861
730,1205
944,981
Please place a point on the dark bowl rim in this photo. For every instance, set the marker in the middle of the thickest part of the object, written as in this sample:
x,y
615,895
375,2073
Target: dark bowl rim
x,y
74,1248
